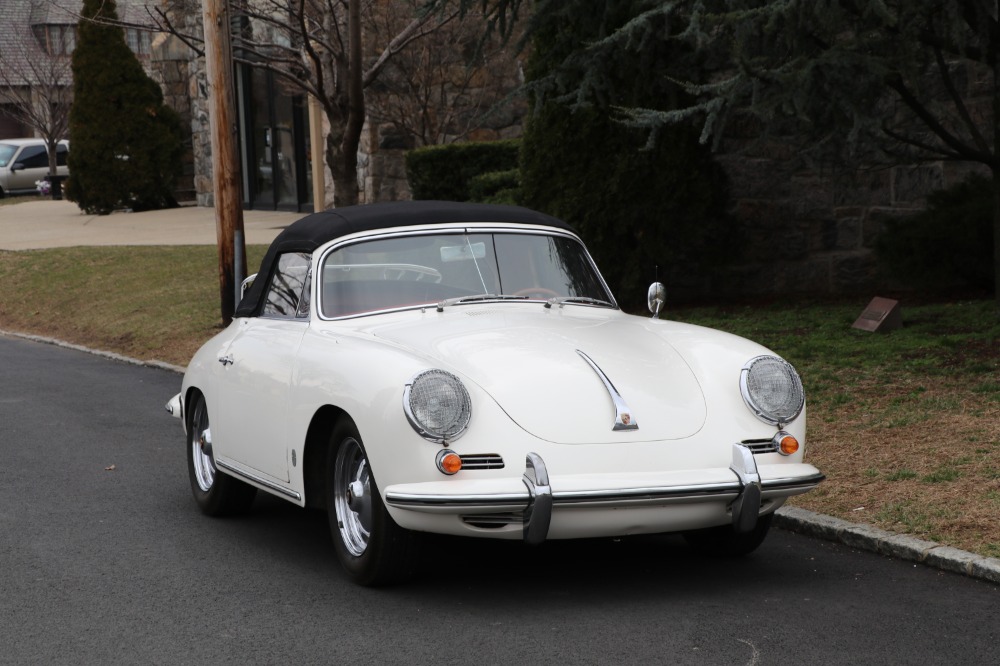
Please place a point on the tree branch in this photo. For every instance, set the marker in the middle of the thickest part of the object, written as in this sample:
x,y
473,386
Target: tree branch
x,y
895,82
959,103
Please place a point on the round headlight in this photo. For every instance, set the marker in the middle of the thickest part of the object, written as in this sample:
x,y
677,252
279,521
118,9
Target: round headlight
x,y
437,405
772,389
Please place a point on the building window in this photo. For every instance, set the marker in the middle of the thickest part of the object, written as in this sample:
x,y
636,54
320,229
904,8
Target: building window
x,y
138,40
56,39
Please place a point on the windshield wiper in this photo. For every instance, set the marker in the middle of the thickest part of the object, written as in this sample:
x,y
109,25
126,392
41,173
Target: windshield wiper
x,y
560,300
477,297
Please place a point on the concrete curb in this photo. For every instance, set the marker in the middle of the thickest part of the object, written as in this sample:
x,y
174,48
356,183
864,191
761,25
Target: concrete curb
x,y
900,546
790,518
96,352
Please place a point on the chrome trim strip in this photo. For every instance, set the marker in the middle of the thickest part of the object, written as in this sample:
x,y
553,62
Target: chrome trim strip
x,y
516,501
647,495
454,228
793,483
609,498
623,415
258,480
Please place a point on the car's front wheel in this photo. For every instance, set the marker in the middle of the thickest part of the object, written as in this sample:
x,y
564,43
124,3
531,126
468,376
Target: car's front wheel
x,y
372,548
216,494
724,541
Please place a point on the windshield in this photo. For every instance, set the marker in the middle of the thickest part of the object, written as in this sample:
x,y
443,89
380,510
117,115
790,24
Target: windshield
x,y
417,270
6,152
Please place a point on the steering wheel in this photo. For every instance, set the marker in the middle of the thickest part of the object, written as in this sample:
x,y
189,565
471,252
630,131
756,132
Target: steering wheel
x,y
542,291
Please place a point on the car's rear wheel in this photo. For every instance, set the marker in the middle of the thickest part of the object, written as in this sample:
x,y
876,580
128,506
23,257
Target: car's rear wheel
x,y
725,542
216,494
372,548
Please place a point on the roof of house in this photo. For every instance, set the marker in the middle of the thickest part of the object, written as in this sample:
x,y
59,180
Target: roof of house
x,y
20,50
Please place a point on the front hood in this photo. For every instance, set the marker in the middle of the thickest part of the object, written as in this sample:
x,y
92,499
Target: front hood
x,y
526,357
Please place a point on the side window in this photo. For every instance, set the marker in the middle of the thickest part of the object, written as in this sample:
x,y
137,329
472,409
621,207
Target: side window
x,y
287,294
34,157
61,152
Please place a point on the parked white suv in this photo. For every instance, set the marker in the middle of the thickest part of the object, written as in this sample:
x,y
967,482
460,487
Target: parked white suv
x,y
24,161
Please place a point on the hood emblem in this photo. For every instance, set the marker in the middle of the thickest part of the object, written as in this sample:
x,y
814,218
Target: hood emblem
x,y
623,415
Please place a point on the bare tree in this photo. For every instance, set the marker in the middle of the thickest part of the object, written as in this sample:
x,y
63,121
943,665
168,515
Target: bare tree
x,y
450,87
332,50
36,80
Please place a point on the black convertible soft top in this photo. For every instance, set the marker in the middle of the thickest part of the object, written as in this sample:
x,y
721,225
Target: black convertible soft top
x,y
311,231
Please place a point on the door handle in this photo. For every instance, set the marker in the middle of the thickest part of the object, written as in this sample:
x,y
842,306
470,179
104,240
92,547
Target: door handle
x,y
226,360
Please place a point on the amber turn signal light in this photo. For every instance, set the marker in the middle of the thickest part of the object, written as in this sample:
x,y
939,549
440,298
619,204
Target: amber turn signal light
x,y
787,444
448,462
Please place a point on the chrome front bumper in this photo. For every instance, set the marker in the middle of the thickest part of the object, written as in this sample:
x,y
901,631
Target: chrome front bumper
x,y
744,493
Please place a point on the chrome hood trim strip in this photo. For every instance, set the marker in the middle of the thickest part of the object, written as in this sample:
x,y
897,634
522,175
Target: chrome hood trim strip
x,y
623,415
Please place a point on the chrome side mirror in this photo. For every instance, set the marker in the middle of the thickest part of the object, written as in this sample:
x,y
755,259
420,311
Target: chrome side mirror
x,y
246,285
657,297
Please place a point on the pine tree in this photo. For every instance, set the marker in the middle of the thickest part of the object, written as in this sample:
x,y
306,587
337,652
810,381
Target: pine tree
x,y
843,82
125,144
647,210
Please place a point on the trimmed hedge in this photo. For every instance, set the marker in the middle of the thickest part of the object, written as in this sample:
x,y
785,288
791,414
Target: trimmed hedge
x,y
446,172
496,187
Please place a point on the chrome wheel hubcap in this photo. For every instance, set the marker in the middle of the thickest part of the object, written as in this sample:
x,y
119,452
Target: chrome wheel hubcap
x,y
201,438
352,497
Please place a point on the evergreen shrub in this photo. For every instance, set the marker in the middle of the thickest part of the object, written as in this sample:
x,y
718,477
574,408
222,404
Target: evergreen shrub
x,y
444,172
646,213
648,207
126,143
950,244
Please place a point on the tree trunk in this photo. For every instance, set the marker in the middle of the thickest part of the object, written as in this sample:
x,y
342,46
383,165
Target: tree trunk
x,y
343,162
347,118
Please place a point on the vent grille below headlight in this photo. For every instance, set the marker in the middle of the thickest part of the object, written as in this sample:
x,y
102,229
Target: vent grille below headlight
x,y
482,461
759,446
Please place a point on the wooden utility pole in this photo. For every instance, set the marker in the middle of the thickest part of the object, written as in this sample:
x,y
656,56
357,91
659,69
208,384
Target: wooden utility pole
x,y
225,162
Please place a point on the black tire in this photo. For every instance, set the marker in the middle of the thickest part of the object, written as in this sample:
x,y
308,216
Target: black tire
x,y
371,547
216,494
725,542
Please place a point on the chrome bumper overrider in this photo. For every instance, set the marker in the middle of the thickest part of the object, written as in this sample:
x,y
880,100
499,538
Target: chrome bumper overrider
x,y
744,493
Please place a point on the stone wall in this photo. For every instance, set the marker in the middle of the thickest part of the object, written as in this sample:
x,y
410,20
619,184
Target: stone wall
x,y
816,233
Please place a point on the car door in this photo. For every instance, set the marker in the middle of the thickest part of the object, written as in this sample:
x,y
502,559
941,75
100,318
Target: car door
x,y
256,371
31,164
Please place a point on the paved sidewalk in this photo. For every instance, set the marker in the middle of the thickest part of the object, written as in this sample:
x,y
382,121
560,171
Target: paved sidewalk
x,y
46,223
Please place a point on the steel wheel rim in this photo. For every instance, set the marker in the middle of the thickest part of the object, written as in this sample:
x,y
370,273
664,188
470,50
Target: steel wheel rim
x,y
353,503
204,468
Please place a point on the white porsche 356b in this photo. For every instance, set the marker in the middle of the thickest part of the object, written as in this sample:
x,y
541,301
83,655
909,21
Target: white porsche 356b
x,y
463,369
